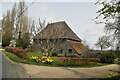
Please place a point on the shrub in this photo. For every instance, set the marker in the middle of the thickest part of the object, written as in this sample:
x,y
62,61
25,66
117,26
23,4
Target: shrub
x,y
22,55
70,63
60,55
117,61
84,56
9,49
54,54
17,51
28,50
76,61
82,59
114,75
71,56
107,57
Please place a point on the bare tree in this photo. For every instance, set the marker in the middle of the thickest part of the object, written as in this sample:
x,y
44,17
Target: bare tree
x,y
113,30
110,12
103,42
86,44
35,29
50,44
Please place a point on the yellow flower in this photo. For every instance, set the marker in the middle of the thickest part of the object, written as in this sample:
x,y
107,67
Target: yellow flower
x,y
33,57
113,74
44,57
49,57
49,60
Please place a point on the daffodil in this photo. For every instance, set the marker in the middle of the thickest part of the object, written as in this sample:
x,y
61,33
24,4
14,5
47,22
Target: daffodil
x,y
113,74
49,57
44,57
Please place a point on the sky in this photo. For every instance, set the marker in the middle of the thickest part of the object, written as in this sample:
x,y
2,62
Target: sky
x,y
78,15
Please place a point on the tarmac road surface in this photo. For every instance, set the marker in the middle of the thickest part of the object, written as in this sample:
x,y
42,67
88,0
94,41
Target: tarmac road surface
x,y
11,69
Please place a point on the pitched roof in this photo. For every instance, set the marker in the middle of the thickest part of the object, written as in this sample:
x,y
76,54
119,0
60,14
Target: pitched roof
x,y
57,30
78,46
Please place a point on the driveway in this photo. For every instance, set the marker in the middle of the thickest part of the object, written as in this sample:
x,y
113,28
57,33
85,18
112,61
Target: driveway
x,y
18,70
11,69
35,71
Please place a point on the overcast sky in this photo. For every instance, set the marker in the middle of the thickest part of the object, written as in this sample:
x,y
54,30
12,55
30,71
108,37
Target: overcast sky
x,y
78,15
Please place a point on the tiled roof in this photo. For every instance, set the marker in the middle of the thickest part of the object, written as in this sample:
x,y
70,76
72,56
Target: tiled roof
x,y
78,46
57,30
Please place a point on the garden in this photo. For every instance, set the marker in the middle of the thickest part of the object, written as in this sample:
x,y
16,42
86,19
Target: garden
x,y
26,56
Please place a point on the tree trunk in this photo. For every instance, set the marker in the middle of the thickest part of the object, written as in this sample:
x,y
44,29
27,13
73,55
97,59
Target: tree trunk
x,y
101,48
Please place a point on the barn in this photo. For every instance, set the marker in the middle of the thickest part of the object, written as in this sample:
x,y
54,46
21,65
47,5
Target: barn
x,y
65,41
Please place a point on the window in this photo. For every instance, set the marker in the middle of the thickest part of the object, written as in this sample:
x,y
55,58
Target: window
x,y
70,50
61,51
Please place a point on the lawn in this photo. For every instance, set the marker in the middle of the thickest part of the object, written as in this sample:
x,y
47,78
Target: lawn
x,y
1,48
55,63
28,61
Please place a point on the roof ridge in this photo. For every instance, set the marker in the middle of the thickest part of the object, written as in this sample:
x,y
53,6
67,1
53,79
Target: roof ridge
x,y
57,22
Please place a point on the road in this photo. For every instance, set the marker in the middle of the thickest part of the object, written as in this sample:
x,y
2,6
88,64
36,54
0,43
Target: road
x,y
65,72
11,69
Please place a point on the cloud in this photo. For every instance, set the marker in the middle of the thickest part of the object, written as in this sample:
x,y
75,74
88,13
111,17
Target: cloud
x,y
43,11
77,15
1,10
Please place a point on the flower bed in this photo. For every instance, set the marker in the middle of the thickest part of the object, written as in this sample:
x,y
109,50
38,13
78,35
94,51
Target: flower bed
x,y
115,75
28,50
44,59
32,58
82,59
77,61
17,51
35,59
